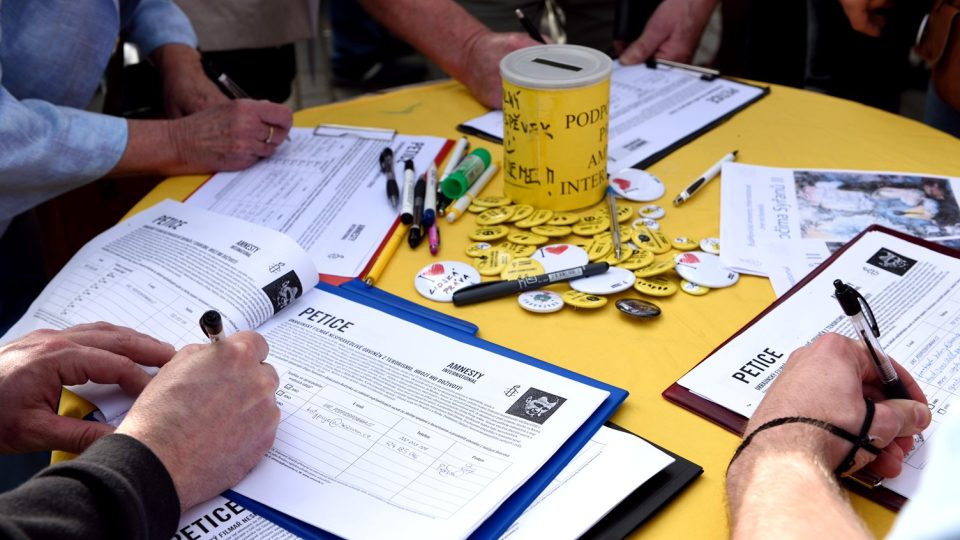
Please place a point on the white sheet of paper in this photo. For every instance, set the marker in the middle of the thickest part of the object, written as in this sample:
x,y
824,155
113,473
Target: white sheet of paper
x,y
222,519
158,271
789,261
763,205
606,471
651,109
325,192
914,293
380,416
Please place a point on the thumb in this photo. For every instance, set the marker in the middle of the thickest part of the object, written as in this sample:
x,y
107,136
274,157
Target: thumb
x,y
72,434
638,51
901,418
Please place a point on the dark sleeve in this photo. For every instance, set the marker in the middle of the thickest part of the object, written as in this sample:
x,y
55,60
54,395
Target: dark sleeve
x,y
116,489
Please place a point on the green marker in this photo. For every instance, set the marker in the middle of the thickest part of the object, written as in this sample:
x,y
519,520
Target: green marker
x,y
459,181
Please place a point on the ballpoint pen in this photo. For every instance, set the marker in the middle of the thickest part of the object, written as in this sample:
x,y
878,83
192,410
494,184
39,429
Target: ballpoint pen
x,y
529,26
419,192
409,177
457,209
497,289
212,325
455,156
232,89
386,165
614,223
865,325
704,178
386,253
430,197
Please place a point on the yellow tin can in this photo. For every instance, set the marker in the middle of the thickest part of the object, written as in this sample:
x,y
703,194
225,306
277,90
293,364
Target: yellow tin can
x,y
556,109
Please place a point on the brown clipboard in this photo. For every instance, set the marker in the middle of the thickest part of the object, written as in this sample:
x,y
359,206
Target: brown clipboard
x,y
736,423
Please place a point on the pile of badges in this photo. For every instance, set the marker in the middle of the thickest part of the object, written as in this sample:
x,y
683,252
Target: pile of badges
x,y
513,241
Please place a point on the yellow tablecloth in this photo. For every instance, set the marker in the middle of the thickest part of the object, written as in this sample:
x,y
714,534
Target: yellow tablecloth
x,y
788,128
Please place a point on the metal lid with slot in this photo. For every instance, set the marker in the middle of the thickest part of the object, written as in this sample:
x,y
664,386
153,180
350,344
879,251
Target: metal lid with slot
x,y
555,67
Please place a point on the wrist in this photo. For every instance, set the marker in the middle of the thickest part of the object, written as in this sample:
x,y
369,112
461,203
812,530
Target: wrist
x,y
175,57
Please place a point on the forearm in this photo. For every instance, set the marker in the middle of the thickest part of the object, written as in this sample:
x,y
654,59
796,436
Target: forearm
x,y
452,32
787,494
152,148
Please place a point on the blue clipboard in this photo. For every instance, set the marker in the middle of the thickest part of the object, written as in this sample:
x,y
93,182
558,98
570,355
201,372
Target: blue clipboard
x,y
465,332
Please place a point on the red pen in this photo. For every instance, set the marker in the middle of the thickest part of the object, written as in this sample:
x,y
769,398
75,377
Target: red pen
x,y
434,235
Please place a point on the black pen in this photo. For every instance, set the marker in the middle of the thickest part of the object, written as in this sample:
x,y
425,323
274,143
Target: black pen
x,y
232,89
497,289
529,26
419,193
865,325
708,175
212,325
386,166
409,176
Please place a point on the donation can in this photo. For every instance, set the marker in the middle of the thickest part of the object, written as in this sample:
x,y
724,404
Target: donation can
x,y
556,109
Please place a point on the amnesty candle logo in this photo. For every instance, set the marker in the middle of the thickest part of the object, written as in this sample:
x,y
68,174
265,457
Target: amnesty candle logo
x,y
536,405
891,262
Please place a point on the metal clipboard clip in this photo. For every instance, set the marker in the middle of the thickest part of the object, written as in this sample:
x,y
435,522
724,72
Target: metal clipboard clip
x,y
340,130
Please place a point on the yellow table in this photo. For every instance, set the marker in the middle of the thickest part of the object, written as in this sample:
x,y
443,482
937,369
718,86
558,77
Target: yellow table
x,y
789,128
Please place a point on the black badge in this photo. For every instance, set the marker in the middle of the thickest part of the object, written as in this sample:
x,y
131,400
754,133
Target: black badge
x,y
640,309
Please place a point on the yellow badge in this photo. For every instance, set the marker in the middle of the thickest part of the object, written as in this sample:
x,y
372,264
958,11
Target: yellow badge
x,y
625,252
493,262
478,249
599,248
521,268
553,231
563,218
657,267
520,211
638,258
656,286
653,241
527,239
538,217
518,250
487,234
591,227
492,201
624,212
684,244
584,300
475,209
495,216
695,289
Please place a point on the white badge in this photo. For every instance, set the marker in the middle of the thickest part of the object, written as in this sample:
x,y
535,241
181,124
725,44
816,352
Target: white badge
x,y
704,269
541,301
710,245
652,211
438,281
560,257
637,185
612,281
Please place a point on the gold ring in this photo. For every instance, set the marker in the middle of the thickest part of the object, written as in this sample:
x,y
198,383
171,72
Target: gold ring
x,y
269,136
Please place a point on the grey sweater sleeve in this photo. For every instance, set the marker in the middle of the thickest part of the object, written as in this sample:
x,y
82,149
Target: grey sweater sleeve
x,y
118,488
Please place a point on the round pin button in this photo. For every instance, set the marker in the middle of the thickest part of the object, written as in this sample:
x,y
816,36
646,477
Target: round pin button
x,y
637,185
591,227
487,234
476,209
684,244
540,301
492,201
612,281
650,223
560,257
638,258
518,250
438,281
695,289
563,218
705,269
539,217
600,247
552,231
641,309
652,211
710,245
527,239
584,300
655,268
653,241
656,286
520,211
493,262
477,249
495,216
624,213
521,268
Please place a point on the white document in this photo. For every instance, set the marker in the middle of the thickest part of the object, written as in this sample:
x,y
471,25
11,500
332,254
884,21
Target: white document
x,y
222,519
652,109
380,416
324,191
760,206
608,469
789,261
914,293
158,271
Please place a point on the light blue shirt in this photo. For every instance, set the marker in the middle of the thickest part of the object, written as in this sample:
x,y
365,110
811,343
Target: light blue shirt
x,y
53,54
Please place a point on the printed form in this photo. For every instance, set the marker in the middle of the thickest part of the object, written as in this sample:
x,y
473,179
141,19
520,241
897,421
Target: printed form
x,y
381,416
158,271
323,190
914,293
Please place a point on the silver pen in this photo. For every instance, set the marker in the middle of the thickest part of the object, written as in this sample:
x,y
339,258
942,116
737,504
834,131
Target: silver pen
x,y
614,223
710,174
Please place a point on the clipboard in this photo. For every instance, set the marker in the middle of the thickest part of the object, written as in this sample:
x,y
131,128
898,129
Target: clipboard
x,y
516,503
736,423
705,74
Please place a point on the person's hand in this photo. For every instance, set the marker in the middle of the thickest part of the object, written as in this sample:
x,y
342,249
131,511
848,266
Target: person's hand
x,y
828,380
34,368
866,16
209,415
186,88
672,33
481,64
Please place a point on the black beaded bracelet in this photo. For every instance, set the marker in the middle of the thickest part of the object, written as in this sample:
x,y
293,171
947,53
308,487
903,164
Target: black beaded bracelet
x,y
862,441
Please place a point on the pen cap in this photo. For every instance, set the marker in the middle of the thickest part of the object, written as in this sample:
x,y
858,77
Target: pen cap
x,y
211,323
386,159
466,173
848,298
